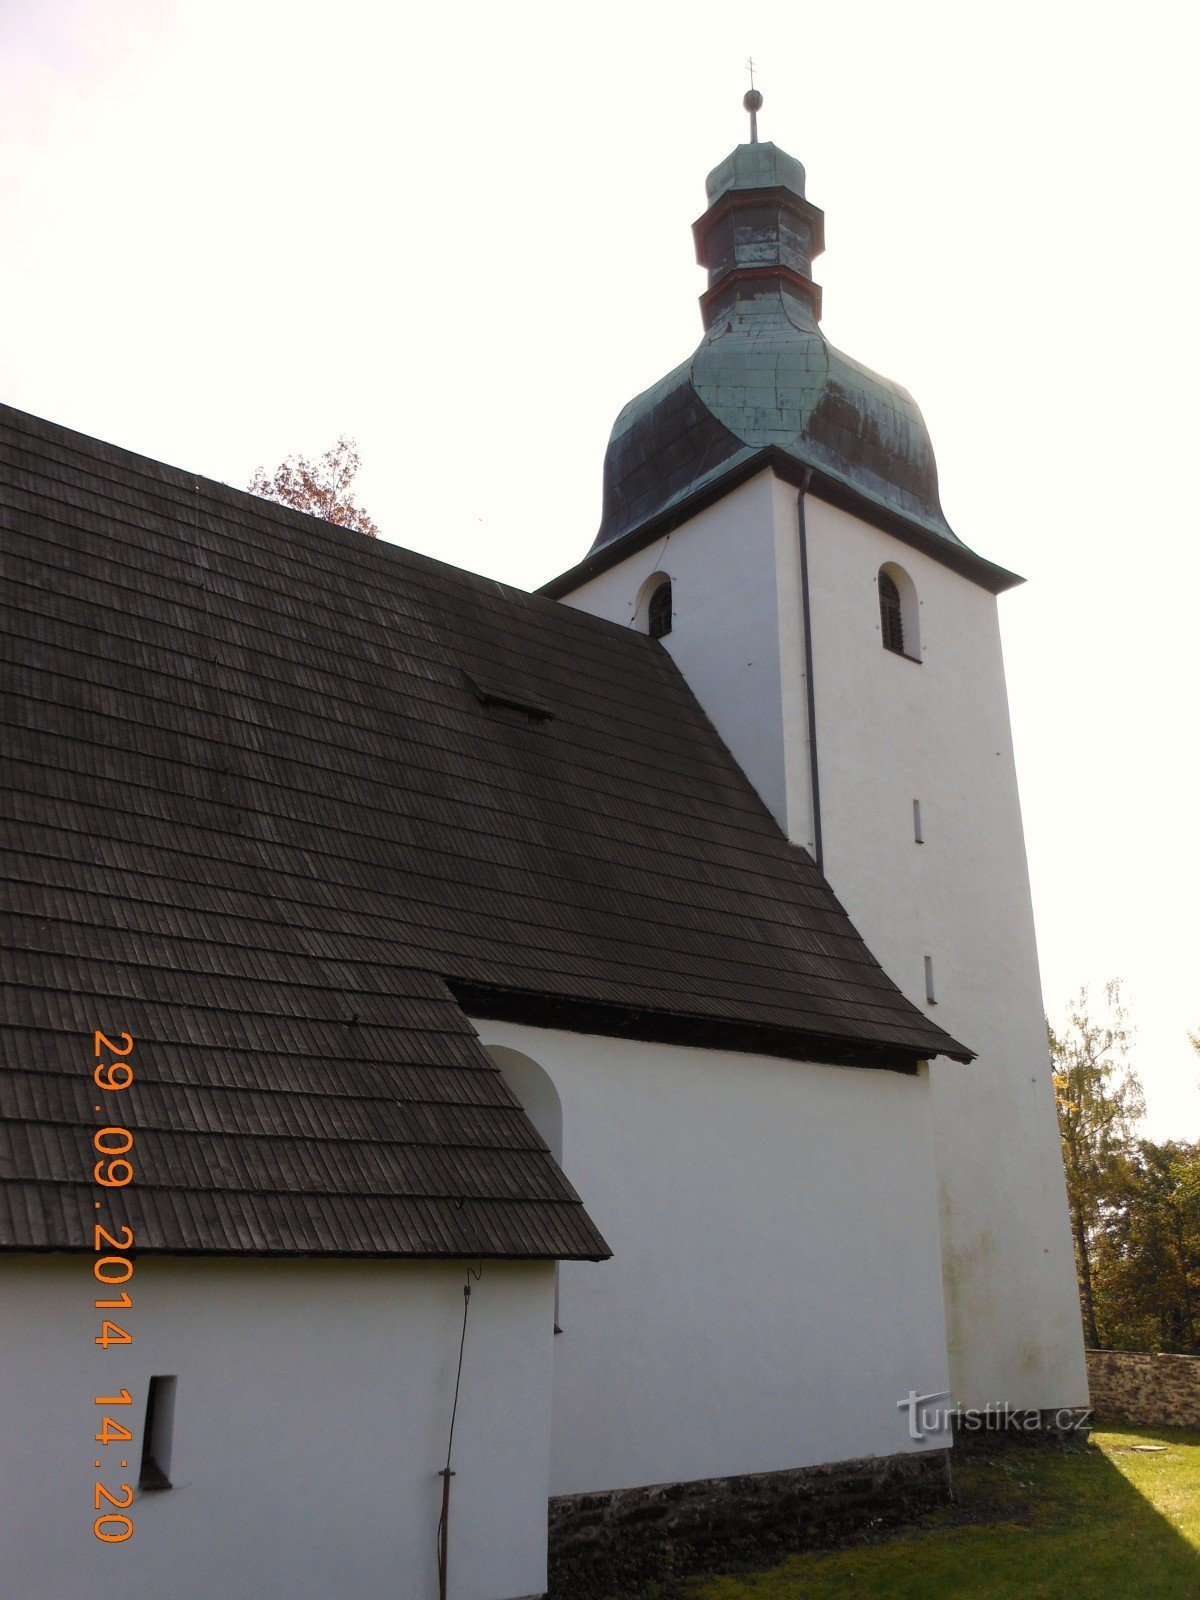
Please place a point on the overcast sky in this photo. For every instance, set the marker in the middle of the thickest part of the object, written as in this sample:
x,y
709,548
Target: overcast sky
x,y
231,231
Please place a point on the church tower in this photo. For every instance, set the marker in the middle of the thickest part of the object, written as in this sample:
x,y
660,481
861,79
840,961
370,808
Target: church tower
x,y
771,513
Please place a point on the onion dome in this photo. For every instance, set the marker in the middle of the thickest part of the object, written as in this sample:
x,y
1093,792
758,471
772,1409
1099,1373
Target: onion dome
x,y
766,387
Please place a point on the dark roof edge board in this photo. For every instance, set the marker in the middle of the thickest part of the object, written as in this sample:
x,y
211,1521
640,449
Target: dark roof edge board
x,y
240,1252
488,1002
987,574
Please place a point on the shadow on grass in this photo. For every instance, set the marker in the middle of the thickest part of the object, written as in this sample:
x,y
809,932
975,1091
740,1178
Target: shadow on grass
x,y
1113,1520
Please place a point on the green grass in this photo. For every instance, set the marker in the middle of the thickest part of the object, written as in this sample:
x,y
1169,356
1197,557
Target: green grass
x,y
1104,1522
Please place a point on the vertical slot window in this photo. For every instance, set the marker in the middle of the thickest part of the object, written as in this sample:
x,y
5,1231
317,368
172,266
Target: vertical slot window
x,y
918,830
155,1470
930,994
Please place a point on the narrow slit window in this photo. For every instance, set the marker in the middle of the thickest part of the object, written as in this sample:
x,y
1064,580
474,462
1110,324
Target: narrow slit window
x,y
155,1472
660,611
918,831
891,619
930,996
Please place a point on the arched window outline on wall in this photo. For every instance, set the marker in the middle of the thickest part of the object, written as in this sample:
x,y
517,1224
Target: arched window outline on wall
x,y
899,612
654,611
533,1087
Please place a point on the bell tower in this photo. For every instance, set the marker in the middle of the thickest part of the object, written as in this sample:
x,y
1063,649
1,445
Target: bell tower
x,y
771,516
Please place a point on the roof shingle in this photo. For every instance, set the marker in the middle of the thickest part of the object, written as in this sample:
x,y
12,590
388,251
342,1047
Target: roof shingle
x,y
276,810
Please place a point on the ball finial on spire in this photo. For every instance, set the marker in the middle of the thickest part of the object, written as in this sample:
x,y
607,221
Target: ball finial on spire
x,y
752,101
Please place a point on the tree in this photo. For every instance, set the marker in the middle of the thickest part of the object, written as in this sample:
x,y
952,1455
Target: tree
x,y
1147,1269
1099,1102
322,488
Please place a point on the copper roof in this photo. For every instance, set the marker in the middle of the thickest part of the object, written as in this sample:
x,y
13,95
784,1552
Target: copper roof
x,y
766,388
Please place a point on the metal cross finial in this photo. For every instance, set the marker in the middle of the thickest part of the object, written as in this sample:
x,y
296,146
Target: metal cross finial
x,y
752,101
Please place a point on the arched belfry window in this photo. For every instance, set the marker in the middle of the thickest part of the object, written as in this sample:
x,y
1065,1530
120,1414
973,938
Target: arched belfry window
x,y
899,616
890,618
659,611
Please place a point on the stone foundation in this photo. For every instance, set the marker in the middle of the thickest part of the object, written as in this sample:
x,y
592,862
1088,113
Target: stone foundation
x,y
603,1544
1150,1391
984,1430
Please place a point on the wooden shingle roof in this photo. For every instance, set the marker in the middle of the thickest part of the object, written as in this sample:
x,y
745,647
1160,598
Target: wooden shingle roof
x,y
284,803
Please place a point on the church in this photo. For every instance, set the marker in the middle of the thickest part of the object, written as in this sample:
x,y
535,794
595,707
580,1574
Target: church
x,y
506,1084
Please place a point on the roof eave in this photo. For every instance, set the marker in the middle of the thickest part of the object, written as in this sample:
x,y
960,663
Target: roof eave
x,y
995,579
540,1010
279,1253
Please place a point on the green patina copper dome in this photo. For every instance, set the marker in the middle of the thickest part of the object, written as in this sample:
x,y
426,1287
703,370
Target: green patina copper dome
x,y
755,166
766,387
764,378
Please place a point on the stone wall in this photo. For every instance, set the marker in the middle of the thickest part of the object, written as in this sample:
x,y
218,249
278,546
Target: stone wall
x,y
606,1544
983,1432
1146,1390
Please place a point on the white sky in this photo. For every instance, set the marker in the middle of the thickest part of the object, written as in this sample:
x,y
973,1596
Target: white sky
x,y
231,231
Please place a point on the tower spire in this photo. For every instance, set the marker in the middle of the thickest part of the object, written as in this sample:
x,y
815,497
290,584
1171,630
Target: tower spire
x,y
759,234
752,101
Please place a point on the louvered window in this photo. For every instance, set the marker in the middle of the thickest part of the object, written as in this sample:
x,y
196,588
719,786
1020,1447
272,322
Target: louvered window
x,y
660,611
889,614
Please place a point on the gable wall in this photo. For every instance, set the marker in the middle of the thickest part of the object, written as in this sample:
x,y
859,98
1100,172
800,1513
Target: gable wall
x,y
311,1420
775,1286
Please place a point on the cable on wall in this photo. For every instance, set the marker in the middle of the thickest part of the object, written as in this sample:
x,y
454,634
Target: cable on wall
x,y
443,1538
658,561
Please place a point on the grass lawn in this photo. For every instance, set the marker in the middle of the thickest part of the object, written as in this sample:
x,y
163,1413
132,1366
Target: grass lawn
x,y
1109,1521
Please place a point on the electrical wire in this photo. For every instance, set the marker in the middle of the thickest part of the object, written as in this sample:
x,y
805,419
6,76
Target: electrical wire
x,y
446,1473
461,1346
657,564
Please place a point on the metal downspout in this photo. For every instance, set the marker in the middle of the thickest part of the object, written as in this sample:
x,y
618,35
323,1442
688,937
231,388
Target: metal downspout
x,y
818,845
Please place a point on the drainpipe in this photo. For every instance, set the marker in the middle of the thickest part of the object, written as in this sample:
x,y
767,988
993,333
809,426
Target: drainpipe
x,y
818,847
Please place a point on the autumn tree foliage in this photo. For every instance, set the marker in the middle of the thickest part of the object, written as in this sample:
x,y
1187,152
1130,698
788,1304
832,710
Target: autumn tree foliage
x,y
1099,1103
1134,1204
323,488
1147,1266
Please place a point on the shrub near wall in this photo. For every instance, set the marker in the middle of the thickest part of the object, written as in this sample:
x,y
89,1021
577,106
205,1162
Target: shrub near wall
x,y
1146,1390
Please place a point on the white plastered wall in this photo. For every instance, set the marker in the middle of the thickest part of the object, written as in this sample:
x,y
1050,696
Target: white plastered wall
x,y
775,1286
889,732
736,634
311,1419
